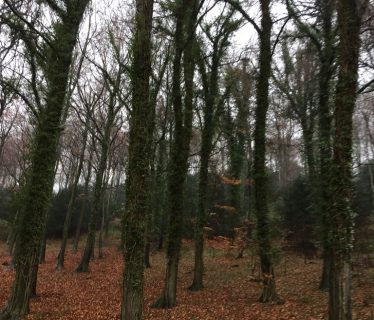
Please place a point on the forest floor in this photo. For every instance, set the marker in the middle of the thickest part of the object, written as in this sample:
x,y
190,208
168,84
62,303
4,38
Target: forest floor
x,y
231,288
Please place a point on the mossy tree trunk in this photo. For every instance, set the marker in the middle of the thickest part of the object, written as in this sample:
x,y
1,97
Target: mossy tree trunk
x,y
259,170
156,187
137,184
186,14
341,216
325,45
326,72
211,112
40,177
160,181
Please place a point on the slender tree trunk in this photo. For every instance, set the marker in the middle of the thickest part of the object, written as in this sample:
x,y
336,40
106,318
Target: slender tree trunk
x,y
206,147
12,238
160,196
152,200
341,215
69,213
104,212
101,232
40,178
210,111
186,13
324,133
261,203
97,195
84,205
107,208
137,184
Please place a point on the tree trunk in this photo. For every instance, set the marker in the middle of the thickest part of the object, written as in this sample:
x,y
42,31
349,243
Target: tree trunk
x,y
84,205
69,213
206,146
137,184
107,208
341,215
40,178
152,200
160,196
210,86
260,180
97,195
12,238
186,14
43,248
101,231
324,133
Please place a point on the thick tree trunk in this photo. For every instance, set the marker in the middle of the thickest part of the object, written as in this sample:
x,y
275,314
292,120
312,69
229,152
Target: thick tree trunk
x,y
147,253
40,178
43,248
137,184
341,215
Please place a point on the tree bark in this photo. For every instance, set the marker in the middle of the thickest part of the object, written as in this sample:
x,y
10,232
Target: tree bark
x,y
260,180
211,96
137,184
160,211
324,133
341,215
40,178
205,151
186,13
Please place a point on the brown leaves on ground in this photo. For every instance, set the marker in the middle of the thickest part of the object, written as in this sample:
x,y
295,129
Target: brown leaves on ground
x,y
231,289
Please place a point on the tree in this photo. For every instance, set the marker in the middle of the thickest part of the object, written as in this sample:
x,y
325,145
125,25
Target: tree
x,y
104,125
326,47
341,215
259,172
236,131
224,26
74,189
136,212
40,176
184,42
